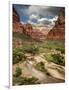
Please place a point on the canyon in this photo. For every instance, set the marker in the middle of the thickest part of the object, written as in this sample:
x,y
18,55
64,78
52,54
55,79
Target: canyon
x,y
38,51
41,33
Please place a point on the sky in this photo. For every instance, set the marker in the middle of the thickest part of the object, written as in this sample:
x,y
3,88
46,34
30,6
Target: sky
x,y
37,15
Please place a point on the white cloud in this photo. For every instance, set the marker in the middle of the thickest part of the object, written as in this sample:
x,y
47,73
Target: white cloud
x,y
34,16
40,13
37,9
44,21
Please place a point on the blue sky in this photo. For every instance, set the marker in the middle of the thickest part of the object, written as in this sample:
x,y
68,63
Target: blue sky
x,y
35,14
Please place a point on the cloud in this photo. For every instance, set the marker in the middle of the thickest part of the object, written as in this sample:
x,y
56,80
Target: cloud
x,y
43,11
34,16
48,22
41,15
44,21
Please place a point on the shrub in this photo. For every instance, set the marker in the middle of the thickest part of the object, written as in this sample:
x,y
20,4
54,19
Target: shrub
x,y
18,56
48,57
61,49
58,59
25,81
28,81
32,49
17,80
18,71
40,66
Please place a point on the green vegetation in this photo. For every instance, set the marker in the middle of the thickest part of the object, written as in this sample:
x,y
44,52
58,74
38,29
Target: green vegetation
x,y
18,80
19,53
21,36
24,81
31,49
62,50
48,57
18,56
58,59
53,51
18,71
40,66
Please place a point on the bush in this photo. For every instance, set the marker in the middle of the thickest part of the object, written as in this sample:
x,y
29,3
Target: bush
x,y
18,56
58,59
18,71
40,66
19,53
28,81
25,81
61,49
48,57
31,49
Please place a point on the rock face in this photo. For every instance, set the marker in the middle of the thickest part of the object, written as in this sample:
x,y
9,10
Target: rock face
x,y
58,32
15,16
17,26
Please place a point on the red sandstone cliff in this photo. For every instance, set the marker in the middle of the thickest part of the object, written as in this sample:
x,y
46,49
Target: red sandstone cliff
x,y
58,32
15,16
17,26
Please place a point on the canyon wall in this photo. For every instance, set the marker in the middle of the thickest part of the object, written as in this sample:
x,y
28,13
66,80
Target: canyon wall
x,y
58,31
17,26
